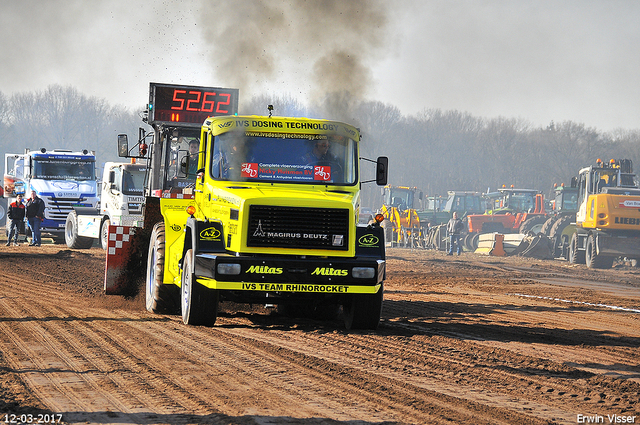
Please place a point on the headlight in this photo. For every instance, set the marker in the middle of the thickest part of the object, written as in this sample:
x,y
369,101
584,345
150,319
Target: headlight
x,y
229,268
363,272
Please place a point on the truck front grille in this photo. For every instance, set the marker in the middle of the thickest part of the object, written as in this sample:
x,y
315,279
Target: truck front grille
x,y
58,208
292,227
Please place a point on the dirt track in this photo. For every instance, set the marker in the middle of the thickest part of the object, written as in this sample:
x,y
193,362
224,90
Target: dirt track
x,y
470,339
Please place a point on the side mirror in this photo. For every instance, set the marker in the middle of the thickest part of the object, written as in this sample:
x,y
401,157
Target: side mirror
x,y
382,166
112,176
123,145
184,165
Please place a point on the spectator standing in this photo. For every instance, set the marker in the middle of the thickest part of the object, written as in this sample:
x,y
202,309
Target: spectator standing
x,y
16,214
35,215
454,229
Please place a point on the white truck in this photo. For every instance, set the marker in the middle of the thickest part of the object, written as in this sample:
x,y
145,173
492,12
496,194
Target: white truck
x,y
63,179
121,202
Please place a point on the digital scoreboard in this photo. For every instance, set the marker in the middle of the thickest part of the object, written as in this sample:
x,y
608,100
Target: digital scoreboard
x,y
189,105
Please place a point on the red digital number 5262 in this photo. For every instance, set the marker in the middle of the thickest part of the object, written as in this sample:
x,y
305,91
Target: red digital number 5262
x,y
200,102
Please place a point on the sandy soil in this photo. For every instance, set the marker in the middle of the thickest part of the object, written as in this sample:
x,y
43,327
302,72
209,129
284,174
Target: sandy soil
x,y
469,339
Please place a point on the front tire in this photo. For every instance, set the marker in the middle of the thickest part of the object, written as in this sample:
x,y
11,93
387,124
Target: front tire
x,y
363,311
71,237
160,298
104,233
199,304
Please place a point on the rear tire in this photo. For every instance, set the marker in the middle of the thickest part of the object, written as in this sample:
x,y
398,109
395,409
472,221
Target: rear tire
x,y
362,311
555,234
104,233
199,304
160,298
71,233
592,259
546,227
532,224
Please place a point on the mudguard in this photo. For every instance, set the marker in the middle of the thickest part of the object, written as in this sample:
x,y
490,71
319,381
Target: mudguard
x,y
119,253
370,242
205,237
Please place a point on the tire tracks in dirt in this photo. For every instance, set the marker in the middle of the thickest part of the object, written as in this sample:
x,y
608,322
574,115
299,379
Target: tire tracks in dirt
x,y
447,351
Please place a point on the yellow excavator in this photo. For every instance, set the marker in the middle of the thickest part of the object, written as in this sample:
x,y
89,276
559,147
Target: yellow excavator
x,y
401,222
608,218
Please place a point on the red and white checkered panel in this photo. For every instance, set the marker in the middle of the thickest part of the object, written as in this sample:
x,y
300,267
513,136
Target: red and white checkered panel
x,y
118,253
118,237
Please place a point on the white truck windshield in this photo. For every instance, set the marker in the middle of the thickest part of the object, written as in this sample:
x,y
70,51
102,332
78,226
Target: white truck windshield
x,y
63,169
133,181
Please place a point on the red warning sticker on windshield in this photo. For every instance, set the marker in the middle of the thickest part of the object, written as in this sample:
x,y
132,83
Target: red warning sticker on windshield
x,y
322,172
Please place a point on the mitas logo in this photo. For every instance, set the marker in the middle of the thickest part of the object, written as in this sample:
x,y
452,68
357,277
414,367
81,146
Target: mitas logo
x,y
368,240
249,169
329,271
210,234
265,270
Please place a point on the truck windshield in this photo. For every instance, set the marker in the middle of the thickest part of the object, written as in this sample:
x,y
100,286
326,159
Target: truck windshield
x,y
569,201
399,198
133,181
63,169
467,203
521,201
312,159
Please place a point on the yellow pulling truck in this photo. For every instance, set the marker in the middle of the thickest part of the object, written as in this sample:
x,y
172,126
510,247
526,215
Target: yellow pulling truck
x,y
608,217
273,220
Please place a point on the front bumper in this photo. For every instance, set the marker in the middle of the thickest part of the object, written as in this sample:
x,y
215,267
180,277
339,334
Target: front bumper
x,y
336,276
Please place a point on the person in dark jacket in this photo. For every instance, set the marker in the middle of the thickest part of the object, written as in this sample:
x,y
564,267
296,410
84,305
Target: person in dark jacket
x,y
35,215
16,214
454,229
319,153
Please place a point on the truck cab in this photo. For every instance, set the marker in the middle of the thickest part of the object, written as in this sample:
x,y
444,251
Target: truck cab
x,y
121,204
61,178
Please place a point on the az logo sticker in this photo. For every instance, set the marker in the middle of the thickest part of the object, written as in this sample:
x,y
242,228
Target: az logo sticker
x,y
211,234
368,240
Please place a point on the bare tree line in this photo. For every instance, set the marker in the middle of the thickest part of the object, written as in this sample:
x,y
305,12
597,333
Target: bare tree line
x,y
435,150
62,118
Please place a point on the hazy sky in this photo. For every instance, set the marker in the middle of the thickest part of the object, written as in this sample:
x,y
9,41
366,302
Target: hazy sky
x,y
536,60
